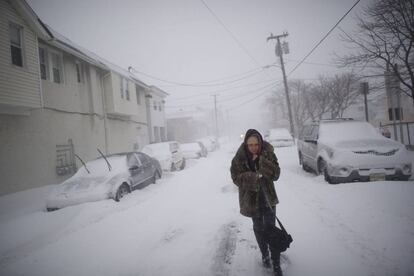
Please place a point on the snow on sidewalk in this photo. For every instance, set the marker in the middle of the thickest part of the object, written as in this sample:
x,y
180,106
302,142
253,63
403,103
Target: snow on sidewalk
x,y
189,224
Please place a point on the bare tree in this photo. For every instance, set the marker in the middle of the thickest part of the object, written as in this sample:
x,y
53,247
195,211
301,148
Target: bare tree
x,y
385,39
318,101
343,92
298,96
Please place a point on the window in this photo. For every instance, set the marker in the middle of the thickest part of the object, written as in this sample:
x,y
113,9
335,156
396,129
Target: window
x,y
79,72
155,105
126,90
315,133
122,87
157,134
56,67
398,114
16,44
159,107
138,94
43,63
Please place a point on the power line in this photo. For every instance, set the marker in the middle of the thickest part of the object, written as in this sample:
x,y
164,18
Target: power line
x,y
228,99
320,42
248,101
241,46
230,33
194,84
208,93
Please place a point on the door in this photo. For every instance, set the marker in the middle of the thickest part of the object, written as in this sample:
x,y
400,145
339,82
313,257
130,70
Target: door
x,y
147,165
312,147
135,169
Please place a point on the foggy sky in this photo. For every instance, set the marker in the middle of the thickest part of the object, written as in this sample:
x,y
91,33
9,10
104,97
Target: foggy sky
x,y
181,41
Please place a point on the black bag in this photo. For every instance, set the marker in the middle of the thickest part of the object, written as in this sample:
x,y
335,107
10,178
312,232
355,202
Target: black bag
x,y
278,239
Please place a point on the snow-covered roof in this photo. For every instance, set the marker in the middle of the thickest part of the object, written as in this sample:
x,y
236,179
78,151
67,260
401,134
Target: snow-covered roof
x,y
31,18
66,44
158,91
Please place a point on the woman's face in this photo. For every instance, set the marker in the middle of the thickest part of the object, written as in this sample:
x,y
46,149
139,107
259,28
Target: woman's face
x,y
253,145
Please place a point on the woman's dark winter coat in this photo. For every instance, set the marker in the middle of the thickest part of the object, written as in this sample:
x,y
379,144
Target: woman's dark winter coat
x,y
249,181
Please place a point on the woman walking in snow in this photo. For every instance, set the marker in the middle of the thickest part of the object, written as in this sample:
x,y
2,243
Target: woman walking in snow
x,y
253,170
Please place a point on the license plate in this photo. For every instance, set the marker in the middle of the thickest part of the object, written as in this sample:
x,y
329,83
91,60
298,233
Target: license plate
x,y
377,177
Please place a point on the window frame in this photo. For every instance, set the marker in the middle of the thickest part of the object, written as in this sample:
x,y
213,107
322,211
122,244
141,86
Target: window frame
x,y
46,62
20,28
138,94
79,68
127,96
60,59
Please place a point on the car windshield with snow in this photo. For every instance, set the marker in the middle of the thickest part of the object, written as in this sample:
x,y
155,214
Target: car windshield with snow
x,y
106,177
348,150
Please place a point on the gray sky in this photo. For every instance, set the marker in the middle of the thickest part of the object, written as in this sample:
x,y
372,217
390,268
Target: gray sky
x,y
181,41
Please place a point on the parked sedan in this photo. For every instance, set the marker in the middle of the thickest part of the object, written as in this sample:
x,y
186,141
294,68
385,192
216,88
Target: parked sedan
x,y
111,177
191,150
168,154
279,137
348,150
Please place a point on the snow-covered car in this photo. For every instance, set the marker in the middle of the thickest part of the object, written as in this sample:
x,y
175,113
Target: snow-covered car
x,y
111,177
204,151
345,150
210,143
279,137
169,155
191,150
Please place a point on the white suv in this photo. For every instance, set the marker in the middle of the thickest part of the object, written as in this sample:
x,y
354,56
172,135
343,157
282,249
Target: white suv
x,y
345,150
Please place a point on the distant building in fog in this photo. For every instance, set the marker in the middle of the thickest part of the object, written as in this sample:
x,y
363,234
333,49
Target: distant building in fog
x,y
189,125
58,99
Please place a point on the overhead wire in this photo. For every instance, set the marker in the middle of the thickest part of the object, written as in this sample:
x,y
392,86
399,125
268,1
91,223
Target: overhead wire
x,y
320,42
241,46
268,86
249,75
206,93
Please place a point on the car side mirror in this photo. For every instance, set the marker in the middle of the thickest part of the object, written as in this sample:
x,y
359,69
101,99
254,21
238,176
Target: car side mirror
x,y
134,168
311,141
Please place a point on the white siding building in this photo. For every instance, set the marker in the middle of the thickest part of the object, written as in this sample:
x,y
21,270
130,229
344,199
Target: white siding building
x,y
58,100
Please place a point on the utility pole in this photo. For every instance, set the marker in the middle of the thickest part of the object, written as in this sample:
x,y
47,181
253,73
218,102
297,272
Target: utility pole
x,y
215,114
365,91
279,52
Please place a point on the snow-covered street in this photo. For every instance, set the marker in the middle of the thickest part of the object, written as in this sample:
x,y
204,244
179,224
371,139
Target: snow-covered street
x,y
188,223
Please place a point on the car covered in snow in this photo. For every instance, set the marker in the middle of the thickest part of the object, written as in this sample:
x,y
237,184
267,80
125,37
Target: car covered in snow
x,y
210,142
279,137
204,151
111,176
169,155
344,150
191,150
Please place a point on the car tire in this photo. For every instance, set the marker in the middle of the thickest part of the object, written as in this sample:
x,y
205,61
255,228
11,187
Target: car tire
x,y
182,165
322,169
121,192
157,174
321,166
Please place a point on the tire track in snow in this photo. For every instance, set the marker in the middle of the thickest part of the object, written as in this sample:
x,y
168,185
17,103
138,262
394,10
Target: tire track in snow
x,y
225,251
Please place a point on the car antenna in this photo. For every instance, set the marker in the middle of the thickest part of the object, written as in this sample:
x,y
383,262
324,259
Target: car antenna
x,y
109,165
83,163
